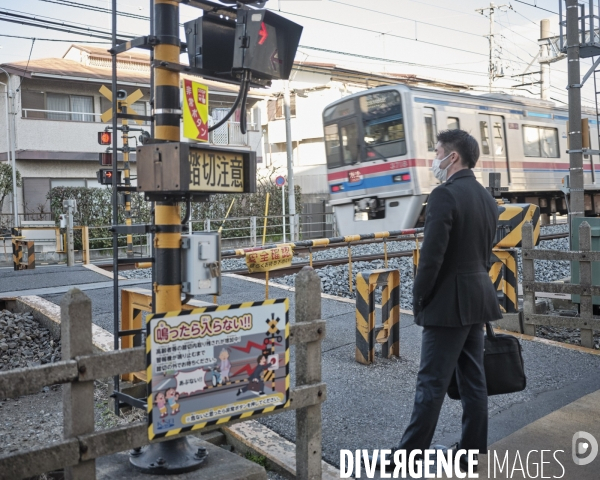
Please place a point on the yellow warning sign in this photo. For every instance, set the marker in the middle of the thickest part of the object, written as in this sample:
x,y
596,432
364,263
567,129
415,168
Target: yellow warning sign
x,y
267,260
195,111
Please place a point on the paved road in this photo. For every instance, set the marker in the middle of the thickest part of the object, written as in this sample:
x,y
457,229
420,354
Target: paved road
x,y
369,406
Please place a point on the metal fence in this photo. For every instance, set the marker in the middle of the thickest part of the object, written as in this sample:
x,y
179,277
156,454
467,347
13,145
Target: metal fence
x,y
260,230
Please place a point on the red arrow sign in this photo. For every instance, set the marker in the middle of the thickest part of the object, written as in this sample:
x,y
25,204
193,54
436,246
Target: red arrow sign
x,y
263,33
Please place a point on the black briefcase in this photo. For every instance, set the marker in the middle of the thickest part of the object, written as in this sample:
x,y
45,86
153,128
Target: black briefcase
x,y
503,363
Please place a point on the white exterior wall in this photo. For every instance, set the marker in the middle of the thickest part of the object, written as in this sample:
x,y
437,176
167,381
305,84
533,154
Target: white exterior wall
x,y
308,147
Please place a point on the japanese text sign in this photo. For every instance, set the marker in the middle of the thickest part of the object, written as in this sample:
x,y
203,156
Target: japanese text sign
x,y
212,171
267,260
195,111
216,364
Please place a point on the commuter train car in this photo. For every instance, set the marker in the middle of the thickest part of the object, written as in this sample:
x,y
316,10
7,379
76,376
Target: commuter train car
x,y
380,146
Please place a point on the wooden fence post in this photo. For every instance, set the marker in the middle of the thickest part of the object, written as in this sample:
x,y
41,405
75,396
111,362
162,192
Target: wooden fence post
x,y
585,280
528,276
78,397
308,371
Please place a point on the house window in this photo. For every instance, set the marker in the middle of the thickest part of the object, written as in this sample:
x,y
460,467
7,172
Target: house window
x,y
540,141
77,107
276,108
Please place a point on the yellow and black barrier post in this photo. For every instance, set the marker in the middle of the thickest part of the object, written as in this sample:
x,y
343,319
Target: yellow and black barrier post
x,y
17,249
389,336
505,278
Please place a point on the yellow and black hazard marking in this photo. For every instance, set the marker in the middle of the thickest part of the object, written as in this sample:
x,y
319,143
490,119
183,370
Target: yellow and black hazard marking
x,y
17,250
238,409
389,336
511,218
505,279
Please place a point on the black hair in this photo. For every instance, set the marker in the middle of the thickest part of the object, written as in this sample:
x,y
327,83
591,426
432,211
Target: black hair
x,y
462,143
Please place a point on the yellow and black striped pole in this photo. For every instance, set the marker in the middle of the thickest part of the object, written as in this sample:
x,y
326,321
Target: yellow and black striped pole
x,y
167,113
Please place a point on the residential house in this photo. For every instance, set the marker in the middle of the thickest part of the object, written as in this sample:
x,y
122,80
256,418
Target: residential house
x,y
57,107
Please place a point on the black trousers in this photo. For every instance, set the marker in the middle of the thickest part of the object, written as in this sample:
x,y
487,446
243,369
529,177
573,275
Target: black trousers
x,y
444,349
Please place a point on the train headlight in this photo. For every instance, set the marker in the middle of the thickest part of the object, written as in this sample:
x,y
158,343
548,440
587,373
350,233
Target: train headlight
x,y
337,188
402,177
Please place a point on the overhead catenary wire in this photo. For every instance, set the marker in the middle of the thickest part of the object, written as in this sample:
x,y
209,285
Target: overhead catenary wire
x,y
331,22
37,39
387,14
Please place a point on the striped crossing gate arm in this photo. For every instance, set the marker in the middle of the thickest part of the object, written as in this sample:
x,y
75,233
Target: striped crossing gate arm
x,y
389,336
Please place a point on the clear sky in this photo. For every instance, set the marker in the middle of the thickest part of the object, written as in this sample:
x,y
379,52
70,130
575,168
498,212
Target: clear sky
x,y
431,38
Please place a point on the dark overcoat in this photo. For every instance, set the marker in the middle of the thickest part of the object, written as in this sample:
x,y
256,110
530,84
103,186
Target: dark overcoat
x,y
452,287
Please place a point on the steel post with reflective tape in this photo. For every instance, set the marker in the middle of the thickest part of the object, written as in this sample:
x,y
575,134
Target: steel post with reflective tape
x,y
389,336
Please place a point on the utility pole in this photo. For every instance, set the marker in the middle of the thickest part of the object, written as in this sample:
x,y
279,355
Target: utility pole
x,y
545,66
491,68
574,88
290,160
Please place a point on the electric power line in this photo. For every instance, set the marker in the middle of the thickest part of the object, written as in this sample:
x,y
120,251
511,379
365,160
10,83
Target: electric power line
x,y
403,18
50,39
535,6
388,60
383,33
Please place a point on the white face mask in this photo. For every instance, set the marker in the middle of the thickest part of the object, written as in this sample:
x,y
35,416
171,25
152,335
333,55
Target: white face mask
x,y
440,174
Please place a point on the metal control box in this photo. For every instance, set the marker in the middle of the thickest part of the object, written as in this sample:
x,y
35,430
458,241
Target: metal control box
x,y
201,263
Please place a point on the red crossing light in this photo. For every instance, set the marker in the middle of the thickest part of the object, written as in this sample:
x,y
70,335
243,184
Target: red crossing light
x,y
104,138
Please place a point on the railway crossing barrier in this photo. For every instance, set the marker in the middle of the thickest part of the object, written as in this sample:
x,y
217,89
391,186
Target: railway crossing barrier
x,y
585,321
17,250
389,335
504,275
81,445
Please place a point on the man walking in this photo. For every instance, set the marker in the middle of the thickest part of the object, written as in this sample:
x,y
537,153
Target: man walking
x,y
453,295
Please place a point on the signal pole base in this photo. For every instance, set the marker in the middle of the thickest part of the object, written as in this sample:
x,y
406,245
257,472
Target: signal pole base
x,y
167,458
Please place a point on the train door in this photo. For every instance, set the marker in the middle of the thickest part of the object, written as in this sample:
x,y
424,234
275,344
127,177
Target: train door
x,y
493,148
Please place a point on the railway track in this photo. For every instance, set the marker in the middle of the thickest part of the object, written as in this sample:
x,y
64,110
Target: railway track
x,y
296,267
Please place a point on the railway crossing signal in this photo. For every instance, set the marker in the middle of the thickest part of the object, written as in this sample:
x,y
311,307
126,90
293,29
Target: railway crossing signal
x,y
104,138
105,159
123,100
105,176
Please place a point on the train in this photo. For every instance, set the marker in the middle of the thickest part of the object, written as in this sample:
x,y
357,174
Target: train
x,y
380,145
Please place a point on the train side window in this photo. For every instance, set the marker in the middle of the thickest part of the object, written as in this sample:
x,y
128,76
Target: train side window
x,y
498,129
453,123
430,128
332,146
540,141
485,137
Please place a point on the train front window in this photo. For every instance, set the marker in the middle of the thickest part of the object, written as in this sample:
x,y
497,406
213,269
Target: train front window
x,y
332,146
350,147
383,124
